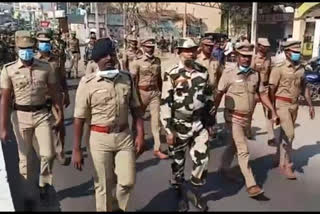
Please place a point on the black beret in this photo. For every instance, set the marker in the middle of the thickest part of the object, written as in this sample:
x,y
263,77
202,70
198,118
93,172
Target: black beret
x,y
102,48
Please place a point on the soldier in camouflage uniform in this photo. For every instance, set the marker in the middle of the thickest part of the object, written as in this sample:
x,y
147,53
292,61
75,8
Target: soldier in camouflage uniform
x,y
12,55
3,51
131,54
58,48
88,50
186,101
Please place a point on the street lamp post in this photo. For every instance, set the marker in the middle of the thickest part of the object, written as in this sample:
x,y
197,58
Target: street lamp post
x,y
254,23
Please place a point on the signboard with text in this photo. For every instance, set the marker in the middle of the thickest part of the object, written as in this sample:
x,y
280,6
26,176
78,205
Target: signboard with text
x,y
274,18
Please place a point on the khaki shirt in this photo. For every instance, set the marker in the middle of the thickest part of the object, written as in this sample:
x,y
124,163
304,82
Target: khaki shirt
x,y
214,68
129,56
262,65
59,71
91,67
147,71
289,80
29,84
106,102
240,89
74,45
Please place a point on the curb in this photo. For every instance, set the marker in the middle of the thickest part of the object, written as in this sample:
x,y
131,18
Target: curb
x,y
6,203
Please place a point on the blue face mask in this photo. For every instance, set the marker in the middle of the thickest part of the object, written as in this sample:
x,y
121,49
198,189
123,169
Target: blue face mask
x,y
26,54
295,57
244,69
44,46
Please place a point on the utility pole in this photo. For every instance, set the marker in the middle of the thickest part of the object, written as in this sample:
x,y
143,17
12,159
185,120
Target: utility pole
x,y
53,12
86,15
185,20
124,25
254,23
97,21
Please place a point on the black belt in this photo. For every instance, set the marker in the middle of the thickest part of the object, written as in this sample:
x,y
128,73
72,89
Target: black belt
x,y
75,52
29,108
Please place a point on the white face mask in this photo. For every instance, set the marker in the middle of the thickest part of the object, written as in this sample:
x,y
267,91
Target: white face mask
x,y
108,73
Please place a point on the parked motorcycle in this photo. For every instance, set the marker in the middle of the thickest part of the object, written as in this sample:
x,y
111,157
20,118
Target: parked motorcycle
x,y
312,76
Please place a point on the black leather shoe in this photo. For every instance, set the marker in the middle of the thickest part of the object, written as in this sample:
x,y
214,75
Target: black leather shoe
x,y
29,205
44,194
272,143
197,201
183,205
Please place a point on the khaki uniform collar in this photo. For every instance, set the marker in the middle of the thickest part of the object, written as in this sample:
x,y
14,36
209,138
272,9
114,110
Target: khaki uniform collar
x,y
202,56
21,65
145,58
289,64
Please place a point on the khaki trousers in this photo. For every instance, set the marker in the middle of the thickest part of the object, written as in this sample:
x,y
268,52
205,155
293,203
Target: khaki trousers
x,y
112,155
288,115
26,125
237,143
268,122
76,57
152,98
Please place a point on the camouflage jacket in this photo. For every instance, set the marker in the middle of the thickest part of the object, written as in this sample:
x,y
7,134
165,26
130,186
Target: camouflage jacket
x,y
186,96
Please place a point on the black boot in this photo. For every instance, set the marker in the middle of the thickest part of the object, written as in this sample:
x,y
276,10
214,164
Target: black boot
x,y
44,194
183,205
194,196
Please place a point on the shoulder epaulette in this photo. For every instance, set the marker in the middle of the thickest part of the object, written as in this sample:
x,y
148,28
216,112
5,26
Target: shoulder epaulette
x,y
10,63
230,67
89,77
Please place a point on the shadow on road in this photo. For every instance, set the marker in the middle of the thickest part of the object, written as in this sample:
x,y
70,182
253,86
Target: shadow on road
x,y
167,199
81,190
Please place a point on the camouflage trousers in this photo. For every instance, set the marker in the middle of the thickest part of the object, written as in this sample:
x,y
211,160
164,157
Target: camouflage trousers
x,y
196,137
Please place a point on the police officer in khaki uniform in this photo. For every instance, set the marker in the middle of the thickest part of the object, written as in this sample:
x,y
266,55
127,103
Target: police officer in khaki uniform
x,y
146,72
73,45
105,98
131,54
261,62
287,82
29,81
240,84
46,55
213,66
205,59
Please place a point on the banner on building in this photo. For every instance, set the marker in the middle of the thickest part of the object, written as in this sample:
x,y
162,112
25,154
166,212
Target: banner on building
x,y
115,19
44,24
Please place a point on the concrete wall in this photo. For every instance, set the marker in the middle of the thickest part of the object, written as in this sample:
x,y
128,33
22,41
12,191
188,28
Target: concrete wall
x,y
210,16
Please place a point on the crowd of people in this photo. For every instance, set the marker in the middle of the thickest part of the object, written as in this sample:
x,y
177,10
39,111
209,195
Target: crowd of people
x,y
183,101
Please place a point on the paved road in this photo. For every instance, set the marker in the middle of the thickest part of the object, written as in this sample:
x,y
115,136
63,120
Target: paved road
x,y
73,190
